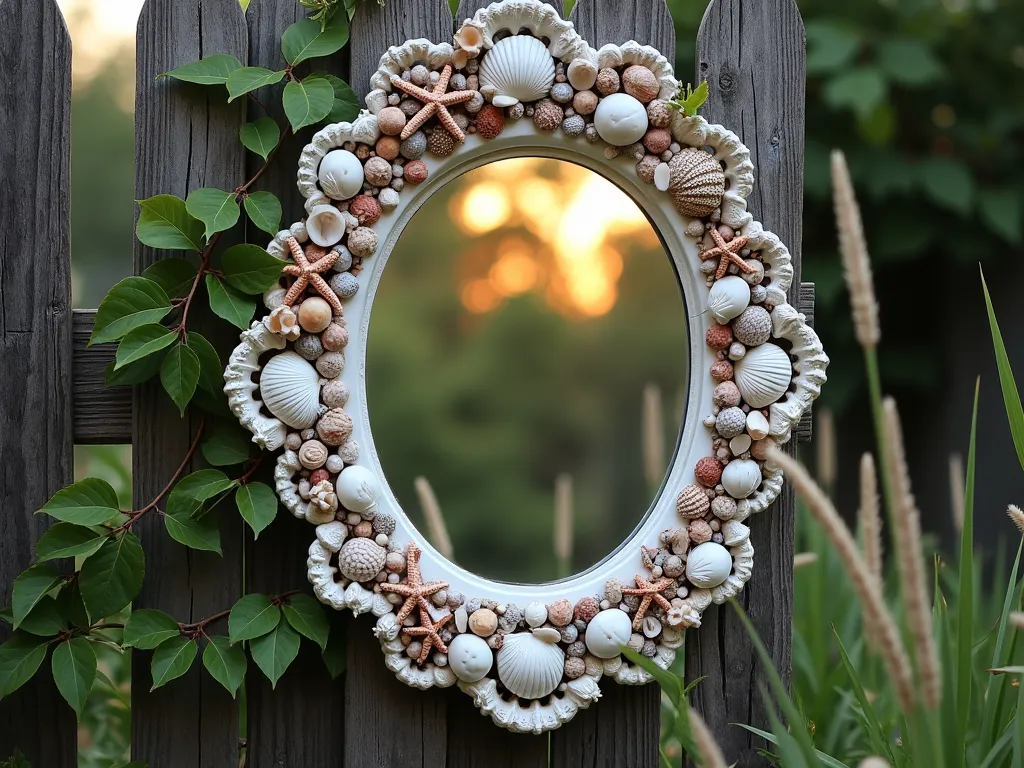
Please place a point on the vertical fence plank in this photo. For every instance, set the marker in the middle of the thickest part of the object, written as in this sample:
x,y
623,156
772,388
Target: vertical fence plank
x,y
752,55
35,332
186,137
301,722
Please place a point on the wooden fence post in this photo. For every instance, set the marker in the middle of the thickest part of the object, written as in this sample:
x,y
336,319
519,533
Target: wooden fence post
x,y
186,137
752,55
36,457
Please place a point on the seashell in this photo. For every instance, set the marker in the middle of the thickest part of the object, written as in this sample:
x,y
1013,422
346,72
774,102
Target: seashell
x,y
728,298
753,327
620,120
358,490
361,559
692,502
530,665
607,631
582,74
470,658
651,627
334,427
518,68
762,375
708,565
536,614
341,175
730,422
740,444
698,183
741,477
325,225
314,314
734,532
757,425
331,535
283,322
662,176
560,612
461,619
291,390
483,622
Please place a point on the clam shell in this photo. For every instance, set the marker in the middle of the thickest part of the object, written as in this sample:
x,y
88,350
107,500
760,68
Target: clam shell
x,y
325,225
607,632
728,298
697,182
708,565
529,666
470,658
741,477
291,390
763,375
518,68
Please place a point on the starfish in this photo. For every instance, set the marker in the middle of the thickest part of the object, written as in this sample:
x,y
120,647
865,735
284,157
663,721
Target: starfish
x,y
429,634
648,592
435,102
414,590
307,272
727,253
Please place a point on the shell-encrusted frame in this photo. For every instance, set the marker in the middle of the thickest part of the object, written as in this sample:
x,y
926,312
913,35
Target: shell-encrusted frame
x,y
360,491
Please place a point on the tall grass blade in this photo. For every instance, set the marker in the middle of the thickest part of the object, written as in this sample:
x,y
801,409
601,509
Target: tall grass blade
x,y
879,745
1011,398
823,758
991,708
792,753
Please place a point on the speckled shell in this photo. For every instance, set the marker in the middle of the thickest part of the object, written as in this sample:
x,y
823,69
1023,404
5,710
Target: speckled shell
x,y
607,631
763,375
291,390
697,182
741,477
708,565
529,666
727,298
518,68
361,559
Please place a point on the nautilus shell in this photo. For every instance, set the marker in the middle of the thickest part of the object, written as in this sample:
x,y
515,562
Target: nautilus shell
x,y
530,664
291,390
518,68
763,375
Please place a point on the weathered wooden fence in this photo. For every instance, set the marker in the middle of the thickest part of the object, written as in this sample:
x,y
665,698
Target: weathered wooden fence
x,y
752,54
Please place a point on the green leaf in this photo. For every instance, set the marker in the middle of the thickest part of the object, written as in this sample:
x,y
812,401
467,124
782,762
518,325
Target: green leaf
x,y
132,302
306,40
137,372
257,504
909,61
307,616
174,274
965,620
179,374
171,659
830,47
1007,382
264,210
260,136
186,500
46,619
112,577
199,486
148,628
247,79
346,101
670,684
213,70
1002,211
73,606
307,102
250,268
217,209
142,342
20,657
860,89
229,304
164,222
874,727
74,671
225,662
948,183
195,533
30,588
68,540
88,502
252,616
226,444
274,651
211,369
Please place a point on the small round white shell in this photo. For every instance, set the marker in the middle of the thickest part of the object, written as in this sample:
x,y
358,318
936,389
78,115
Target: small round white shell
x,y
536,613
708,565
582,74
757,425
470,658
529,665
764,374
620,119
607,632
291,390
341,175
741,477
728,298
358,490
325,225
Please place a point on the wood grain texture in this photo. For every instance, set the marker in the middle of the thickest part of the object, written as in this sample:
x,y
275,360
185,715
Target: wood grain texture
x,y
301,723
623,727
102,415
752,55
35,333
804,431
186,138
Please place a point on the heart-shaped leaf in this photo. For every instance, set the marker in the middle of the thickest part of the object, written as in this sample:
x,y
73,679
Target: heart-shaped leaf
x,y
112,577
68,540
148,628
164,222
264,210
260,136
88,502
172,659
134,301
252,616
257,504
217,209
307,616
20,657
275,651
74,671
229,304
225,444
247,79
250,268
346,101
225,662
308,101
305,39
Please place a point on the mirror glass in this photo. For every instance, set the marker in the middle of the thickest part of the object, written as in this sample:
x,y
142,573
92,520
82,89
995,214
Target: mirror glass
x,y
526,368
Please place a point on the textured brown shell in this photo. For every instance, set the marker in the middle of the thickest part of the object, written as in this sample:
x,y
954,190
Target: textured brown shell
x,y
692,502
696,183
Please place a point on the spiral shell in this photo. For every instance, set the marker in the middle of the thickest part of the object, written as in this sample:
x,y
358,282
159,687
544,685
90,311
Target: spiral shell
x,y
530,664
697,182
762,376
291,390
518,68
692,502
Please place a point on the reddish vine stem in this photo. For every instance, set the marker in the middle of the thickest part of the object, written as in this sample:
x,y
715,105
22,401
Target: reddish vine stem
x,y
197,628
249,472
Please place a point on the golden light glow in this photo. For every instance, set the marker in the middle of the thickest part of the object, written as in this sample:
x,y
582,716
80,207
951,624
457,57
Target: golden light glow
x,y
100,30
579,222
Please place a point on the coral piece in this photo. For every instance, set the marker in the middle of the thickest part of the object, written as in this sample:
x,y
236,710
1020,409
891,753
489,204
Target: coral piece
x,y
435,102
490,121
708,471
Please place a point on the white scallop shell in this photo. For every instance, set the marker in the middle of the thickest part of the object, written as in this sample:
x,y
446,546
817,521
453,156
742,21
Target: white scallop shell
x,y
708,565
326,225
741,477
518,68
607,632
470,657
529,666
358,490
620,119
341,174
728,298
764,374
291,390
